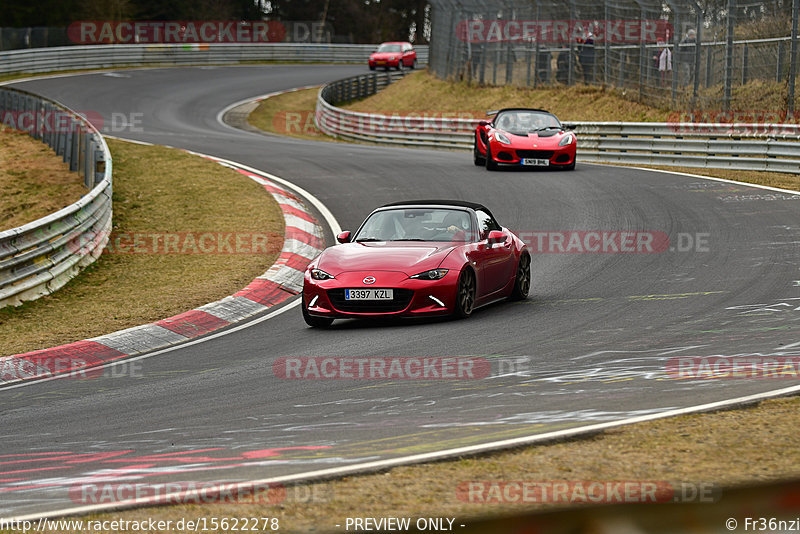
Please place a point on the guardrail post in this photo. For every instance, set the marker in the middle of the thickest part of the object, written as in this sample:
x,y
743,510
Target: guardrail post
x,y
61,138
99,165
74,146
88,160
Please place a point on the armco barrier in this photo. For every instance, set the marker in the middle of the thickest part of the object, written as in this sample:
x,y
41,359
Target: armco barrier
x,y
751,147
41,256
131,55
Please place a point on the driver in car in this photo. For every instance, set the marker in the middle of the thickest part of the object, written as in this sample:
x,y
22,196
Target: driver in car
x,y
457,225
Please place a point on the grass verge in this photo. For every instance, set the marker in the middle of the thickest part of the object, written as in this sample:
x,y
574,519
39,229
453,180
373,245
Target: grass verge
x,y
728,449
34,181
168,193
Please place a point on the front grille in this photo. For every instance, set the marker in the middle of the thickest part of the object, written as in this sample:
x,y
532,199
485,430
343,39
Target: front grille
x,y
535,154
401,300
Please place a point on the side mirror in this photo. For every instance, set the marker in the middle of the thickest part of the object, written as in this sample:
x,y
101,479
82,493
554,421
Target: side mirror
x,y
344,237
496,236
483,123
569,126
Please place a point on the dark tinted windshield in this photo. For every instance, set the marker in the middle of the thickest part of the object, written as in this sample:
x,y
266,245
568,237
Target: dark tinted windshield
x,y
523,122
417,224
389,48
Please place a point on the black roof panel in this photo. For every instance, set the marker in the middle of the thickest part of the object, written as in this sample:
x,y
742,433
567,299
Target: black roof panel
x,y
459,203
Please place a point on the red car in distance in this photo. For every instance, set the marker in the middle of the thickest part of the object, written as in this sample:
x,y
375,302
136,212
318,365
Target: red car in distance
x,y
417,258
522,137
394,54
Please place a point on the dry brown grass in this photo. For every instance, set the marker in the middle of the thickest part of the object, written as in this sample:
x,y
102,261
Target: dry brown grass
x,y
422,91
161,190
34,181
756,444
289,114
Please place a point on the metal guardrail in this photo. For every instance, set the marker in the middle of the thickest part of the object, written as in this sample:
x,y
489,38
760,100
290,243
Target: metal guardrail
x,y
130,55
41,256
752,147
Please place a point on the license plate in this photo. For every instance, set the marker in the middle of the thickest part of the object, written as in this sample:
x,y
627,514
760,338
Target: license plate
x,y
381,62
368,294
536,162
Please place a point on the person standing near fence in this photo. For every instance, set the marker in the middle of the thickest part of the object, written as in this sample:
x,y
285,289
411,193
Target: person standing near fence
x,y
664,61
586,57
686,50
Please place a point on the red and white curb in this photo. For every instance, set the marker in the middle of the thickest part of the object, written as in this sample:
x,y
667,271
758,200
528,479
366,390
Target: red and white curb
x,y
303,241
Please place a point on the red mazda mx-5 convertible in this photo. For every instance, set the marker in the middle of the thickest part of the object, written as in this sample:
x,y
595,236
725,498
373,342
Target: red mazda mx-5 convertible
x,y
417,258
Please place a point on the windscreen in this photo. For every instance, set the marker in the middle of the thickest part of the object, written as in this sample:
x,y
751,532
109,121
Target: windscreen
x,y
418,224
522,122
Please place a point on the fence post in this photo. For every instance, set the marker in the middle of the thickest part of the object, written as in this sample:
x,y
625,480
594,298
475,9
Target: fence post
x,y
606,43
729,54
793,58
697,49
745,53
571,58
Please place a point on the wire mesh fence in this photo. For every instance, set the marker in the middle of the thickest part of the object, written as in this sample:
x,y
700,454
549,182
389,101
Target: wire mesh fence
x,y
682,54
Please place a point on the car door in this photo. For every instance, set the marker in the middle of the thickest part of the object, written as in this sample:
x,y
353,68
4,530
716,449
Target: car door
x,y
496,260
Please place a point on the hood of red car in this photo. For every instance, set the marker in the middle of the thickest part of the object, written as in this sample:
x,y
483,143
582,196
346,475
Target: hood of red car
x,y
385,55
408,257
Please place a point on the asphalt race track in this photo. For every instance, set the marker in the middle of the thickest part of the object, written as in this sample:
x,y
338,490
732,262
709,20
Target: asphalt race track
x,y
591,344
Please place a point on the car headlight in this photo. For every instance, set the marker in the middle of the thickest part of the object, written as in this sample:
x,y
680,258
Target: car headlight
x,y
503,138
433,274
319,274
566,140
392,58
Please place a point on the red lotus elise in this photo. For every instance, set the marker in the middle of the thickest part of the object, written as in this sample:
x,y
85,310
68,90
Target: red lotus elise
x,y
521,137
417,258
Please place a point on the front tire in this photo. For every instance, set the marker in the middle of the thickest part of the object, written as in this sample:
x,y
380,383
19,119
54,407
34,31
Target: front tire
x,y
490,163
571,166
314,321
477,159
414,64
522,281
465,294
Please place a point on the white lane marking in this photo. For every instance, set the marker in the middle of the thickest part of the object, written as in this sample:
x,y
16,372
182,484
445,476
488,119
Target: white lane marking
x,y
712,178
437,455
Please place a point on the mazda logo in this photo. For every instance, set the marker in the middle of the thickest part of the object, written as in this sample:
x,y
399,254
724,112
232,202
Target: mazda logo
x,y
369,280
